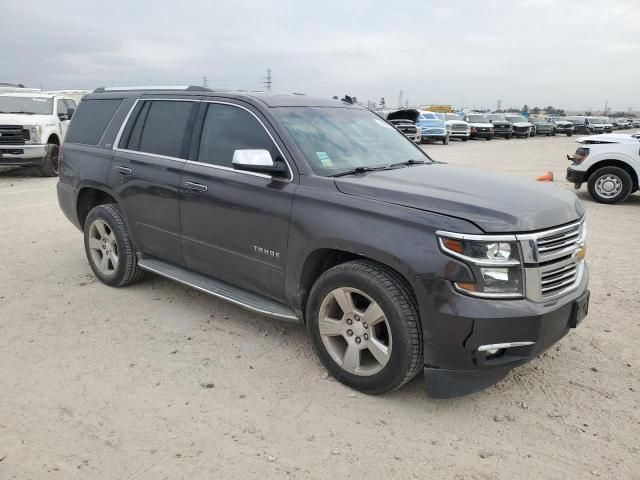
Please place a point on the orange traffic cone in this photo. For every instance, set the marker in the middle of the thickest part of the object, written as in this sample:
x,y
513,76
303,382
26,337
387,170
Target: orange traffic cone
x,y
547,177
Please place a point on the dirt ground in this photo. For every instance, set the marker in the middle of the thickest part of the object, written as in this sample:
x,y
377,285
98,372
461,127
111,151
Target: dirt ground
x,y
157,381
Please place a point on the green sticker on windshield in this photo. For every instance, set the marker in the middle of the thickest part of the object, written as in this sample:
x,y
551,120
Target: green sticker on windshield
x,y
324,159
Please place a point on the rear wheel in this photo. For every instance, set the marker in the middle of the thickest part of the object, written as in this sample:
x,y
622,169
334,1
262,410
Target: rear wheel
x,y
108,247
610,185
51,162
364,322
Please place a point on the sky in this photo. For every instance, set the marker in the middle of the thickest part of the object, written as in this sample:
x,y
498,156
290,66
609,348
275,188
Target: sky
x,y
469,53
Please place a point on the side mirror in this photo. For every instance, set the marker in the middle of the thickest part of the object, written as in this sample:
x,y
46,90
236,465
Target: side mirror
x,y
258,160
70,112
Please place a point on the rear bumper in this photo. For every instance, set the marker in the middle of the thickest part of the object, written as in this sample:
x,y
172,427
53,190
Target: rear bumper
x,y
455,326
22,155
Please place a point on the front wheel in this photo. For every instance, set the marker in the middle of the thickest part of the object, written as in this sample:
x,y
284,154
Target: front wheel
x,y
569,134
610,185
108,247
445,140
508,137
364,322
51,163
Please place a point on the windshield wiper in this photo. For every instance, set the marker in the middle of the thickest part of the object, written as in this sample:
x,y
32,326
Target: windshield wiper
x,y
361,170
408,163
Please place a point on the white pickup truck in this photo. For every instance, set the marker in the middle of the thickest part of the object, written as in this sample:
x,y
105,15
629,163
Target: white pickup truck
x,y
609,164
32,128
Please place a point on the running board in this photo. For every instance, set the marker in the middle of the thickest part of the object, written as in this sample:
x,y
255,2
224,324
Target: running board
x,y
222,290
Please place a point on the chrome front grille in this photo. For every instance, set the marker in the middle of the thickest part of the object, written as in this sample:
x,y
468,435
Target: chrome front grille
x,y
459,127
554,260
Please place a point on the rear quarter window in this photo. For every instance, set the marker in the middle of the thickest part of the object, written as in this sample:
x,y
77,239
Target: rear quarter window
x,y
90,120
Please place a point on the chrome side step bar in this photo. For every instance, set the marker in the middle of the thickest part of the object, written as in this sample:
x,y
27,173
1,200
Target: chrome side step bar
x,y
217,288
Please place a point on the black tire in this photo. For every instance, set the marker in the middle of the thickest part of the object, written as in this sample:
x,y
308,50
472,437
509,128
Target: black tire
x,y
508,137
51,162
614,173
464,139
445,140
391,292
569,134
488,138
127,270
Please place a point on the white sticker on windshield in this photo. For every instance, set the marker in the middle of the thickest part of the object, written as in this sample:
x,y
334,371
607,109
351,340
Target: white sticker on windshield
x,y
383,124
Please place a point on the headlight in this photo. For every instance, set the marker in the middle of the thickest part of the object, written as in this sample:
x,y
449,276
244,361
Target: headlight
x,y
495,262
34,133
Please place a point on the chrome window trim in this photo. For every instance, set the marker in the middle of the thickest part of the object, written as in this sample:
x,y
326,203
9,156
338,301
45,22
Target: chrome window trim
x,y
116,142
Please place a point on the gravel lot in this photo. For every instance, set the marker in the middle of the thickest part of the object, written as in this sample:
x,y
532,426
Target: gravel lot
x,y
157,381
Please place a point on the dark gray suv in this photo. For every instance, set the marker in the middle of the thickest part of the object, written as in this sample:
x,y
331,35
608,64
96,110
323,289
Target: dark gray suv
x,y
320,212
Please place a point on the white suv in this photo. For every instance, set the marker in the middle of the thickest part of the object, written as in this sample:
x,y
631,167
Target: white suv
x,y
32,128
609,163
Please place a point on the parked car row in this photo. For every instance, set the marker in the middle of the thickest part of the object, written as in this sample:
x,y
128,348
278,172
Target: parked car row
x,y
425,126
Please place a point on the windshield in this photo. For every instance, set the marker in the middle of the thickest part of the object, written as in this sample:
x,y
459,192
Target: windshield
x,y
597,121
336,140
452,116
28,105
428,116
516,118
495,117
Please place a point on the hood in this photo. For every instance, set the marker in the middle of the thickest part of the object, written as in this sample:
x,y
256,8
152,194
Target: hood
x,y
23,119
480,124
455,122
495,203
609,138
563,122
521,124
409,114
501,122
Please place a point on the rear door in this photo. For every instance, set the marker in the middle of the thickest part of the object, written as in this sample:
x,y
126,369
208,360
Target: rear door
x,y
148,161
235,224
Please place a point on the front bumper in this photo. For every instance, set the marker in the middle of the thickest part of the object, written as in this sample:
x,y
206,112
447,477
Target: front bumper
x,y
458,133
482,134
456,325
576,177
22,155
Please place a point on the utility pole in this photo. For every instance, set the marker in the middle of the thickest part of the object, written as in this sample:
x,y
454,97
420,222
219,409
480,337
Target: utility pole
x,y
499,105
606,103
400,99
267,81
205,81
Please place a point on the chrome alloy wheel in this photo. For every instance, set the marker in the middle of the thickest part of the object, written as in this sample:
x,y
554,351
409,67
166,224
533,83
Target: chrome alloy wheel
x,y
103,247
355,331
608,186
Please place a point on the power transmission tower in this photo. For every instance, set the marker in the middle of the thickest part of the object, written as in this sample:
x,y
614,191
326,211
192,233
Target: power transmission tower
x,y
400,99
606,103
205,81
267,81
499,106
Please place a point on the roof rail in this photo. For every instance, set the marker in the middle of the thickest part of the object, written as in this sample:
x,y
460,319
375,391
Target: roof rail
x,y
189,88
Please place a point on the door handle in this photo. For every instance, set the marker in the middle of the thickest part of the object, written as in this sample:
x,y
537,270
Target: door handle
x,y
196,187
122,170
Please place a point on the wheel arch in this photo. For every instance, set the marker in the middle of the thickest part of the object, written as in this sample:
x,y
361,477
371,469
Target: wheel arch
x,y
322,259
614,163
53,139
88,198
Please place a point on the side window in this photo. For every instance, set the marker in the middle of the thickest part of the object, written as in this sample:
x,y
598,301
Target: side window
x,y
62,107
160,127
226,129
71,103
91,120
